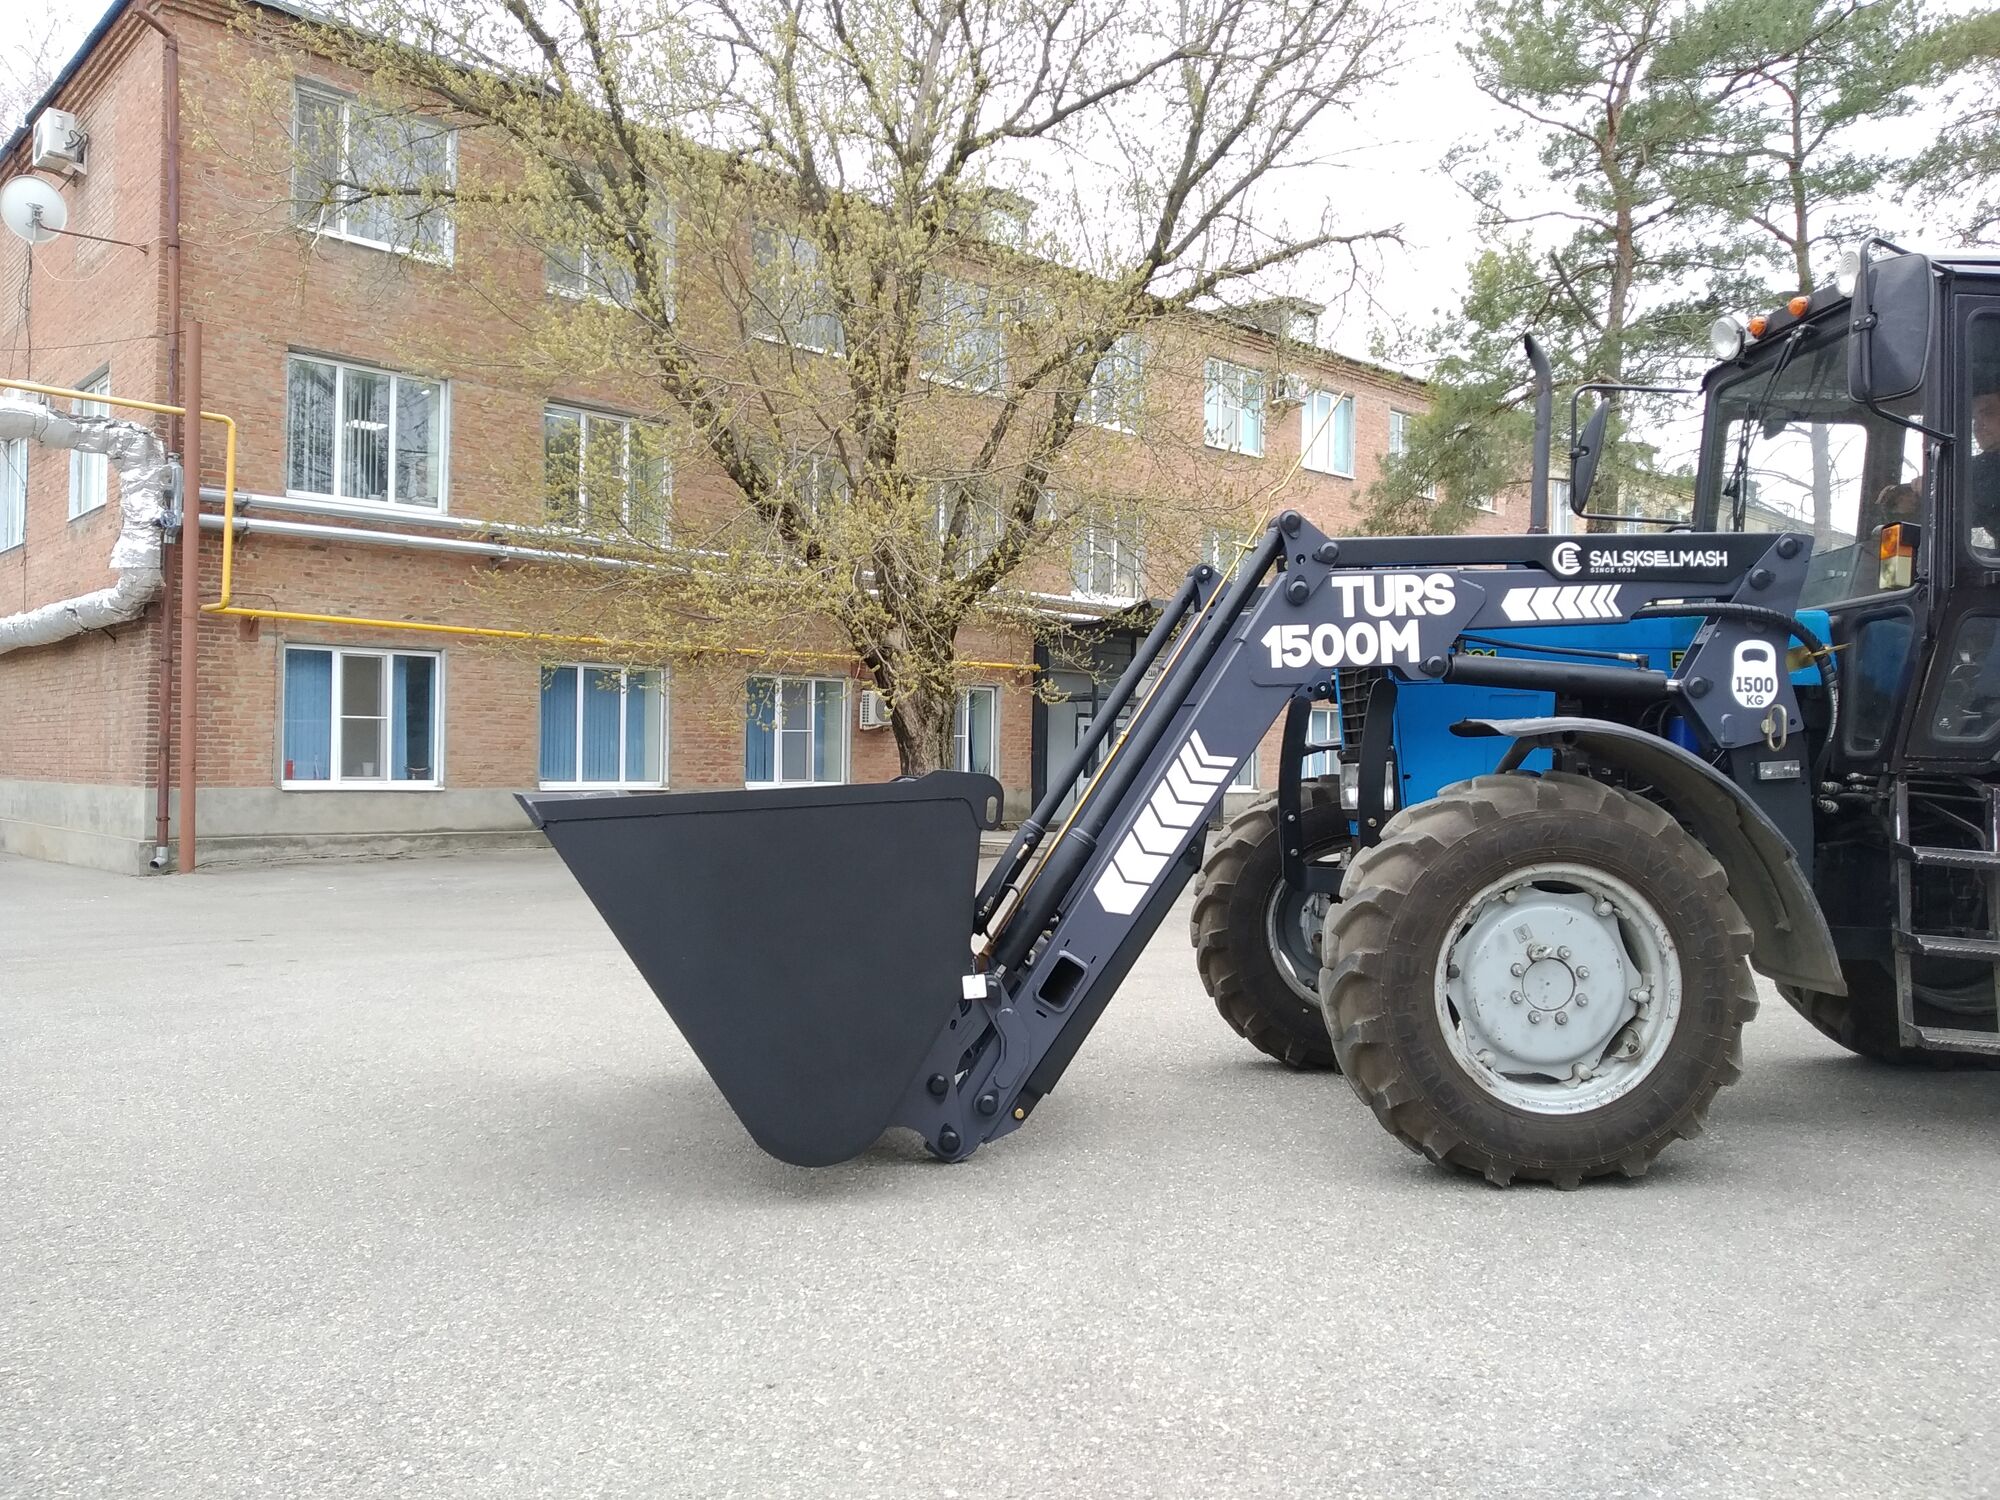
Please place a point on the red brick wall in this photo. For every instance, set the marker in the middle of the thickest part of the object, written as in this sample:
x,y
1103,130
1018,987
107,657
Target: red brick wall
x,y
263,289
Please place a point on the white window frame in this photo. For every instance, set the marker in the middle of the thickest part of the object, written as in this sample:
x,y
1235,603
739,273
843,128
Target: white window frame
x,y
1399,443
1245,779
778,724
961,743
1119,538
1319,428
1323,755
90,473
1227,395
590,281
1116,393
946,298
586,417
341,367
334,781
1222,548
331,221
624,716
773,327
13,494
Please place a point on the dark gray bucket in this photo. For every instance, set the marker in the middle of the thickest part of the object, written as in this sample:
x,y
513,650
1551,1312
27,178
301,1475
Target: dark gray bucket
x,y
809,942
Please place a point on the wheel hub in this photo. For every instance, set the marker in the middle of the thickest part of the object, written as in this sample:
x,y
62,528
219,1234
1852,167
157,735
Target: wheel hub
x,y
1548,988
1525,965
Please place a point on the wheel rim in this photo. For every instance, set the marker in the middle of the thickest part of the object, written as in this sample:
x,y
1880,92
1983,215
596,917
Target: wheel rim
x,y
1293,923
1558,988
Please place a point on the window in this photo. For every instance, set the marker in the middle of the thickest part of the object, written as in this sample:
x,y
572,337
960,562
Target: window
x,y
972,731
1399,444
1233,408
371,177
1323,734
791,300
1222,548
959,337
1245,779
89,473
1327,433
360,718
359,434
1108,561
1562,520
795,731
13,493
606,272
603,726
606,473
1116,393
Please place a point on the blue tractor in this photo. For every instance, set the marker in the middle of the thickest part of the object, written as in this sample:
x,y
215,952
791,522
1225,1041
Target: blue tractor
x,y
1871,422
1582,788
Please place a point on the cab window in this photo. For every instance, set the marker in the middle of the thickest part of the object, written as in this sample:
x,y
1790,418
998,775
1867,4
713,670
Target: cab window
x,y
1789,451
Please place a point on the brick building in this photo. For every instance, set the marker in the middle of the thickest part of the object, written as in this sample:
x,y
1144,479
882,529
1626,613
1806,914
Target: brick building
x,y
376,487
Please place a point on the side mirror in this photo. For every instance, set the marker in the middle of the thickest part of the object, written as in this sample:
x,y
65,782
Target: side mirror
x,y
1583,458
1889,327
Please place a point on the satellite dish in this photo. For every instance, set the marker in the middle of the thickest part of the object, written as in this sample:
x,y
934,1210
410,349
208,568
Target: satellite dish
x,y
33,209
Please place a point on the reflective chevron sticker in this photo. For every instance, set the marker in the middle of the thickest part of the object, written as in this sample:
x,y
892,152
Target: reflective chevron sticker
x,y
1563,601
1194,778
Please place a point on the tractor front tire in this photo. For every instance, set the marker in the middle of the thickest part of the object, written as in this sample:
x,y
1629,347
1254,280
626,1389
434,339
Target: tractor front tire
x,y
1270,999
1537,978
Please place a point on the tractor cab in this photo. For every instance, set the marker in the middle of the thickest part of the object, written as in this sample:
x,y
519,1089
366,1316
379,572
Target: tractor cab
x,y
1869,416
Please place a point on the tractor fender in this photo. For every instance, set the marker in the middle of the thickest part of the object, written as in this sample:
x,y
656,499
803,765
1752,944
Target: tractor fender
x,y
1792,944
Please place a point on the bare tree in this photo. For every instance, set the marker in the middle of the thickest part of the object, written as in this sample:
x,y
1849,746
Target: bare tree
x,y
902,275
30,57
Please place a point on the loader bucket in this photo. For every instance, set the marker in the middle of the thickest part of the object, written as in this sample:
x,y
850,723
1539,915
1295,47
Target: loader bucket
x,y
808,942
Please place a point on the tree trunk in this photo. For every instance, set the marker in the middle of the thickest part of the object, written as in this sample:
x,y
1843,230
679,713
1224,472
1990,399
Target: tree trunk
x,y
922,720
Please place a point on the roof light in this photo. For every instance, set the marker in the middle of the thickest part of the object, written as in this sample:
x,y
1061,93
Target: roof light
x,y
1725,337
1757,326
1848,277
1798,305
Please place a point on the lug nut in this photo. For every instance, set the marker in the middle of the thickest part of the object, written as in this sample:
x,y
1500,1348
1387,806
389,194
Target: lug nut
x,y
1562,1018
1581,1001
1562,953
1515,996
1582,972
1534,1018
1603,907
1517,970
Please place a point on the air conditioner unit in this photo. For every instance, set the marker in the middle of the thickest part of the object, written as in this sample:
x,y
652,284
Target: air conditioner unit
x,y
874,710
59,142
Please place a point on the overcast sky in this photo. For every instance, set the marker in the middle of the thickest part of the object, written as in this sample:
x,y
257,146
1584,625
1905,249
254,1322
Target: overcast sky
x,y
1388,175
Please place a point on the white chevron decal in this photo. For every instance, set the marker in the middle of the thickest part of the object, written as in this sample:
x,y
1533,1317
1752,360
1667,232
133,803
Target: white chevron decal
x,y
1194,779
1566,601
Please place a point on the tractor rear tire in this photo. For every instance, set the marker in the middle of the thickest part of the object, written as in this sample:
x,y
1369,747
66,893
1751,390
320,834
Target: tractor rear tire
x,y
1864,1022
1509,862
1267,998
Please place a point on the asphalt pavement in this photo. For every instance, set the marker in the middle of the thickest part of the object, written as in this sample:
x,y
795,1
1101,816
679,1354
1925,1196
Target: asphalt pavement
x,y
392,1179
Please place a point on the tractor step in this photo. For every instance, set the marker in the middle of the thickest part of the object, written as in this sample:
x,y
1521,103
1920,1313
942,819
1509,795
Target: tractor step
x,y
1949,859
1957,1039
1941,945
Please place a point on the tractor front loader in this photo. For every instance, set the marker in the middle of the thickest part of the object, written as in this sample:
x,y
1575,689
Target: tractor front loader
x,y
827,957
1581,787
